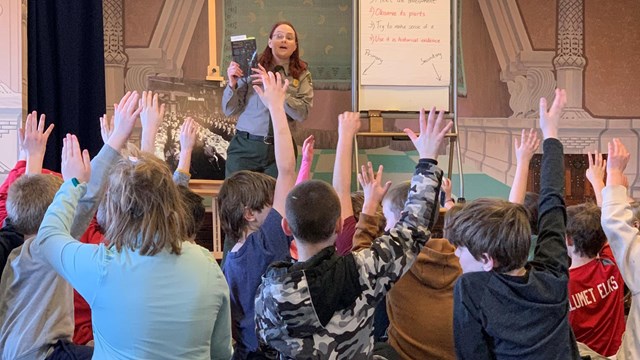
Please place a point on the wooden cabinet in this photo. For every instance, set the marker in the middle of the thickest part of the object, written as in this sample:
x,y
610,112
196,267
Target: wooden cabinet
x,y
577,186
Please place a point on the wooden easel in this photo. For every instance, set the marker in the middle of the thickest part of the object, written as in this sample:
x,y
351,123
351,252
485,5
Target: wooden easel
x,y
213,69
211,189
376,117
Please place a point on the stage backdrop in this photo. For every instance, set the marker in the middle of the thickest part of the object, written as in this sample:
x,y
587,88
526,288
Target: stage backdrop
x,y
324,29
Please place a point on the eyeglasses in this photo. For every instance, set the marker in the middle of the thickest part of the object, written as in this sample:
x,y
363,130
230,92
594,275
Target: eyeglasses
x,y
282,36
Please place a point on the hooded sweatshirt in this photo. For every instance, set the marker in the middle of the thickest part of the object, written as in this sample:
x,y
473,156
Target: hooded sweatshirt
x,y
428,285
423,298
508,317
624,240
323,307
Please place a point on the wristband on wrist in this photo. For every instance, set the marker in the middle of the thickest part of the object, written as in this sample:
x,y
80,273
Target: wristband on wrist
x,y
184,172
75,182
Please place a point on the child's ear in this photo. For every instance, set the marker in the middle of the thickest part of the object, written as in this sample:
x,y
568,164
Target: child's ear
x,y
636,224
487,262
285,227
248,215
569,240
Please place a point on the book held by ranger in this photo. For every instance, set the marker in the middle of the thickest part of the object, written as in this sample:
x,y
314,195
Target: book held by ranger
x,y
244,52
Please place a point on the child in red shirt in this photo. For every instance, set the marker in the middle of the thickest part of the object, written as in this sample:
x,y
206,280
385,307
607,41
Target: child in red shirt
x,y
596,288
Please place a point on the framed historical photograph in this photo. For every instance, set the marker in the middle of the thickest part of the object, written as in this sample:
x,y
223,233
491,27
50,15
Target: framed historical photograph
x,y
201,100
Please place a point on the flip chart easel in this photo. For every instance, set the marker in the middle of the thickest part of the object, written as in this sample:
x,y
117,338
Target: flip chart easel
x,y
405,55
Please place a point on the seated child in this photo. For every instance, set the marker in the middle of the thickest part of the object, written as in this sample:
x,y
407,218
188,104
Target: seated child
x,y
322,306
170,293
504,306
251,208
351,206
179,308
596,289
31,155
428,285
36,304
624,239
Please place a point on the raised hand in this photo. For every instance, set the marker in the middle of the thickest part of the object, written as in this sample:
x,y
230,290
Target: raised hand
x,y
527,146
372,187
234,72
125,114
307,148
348,126
152,112
75,163
550,120
349,123
618,159
275,90
595,174
432,133
307,159
106,127
446,189
35,137
34,142
597,166
151,116
188,137
188,134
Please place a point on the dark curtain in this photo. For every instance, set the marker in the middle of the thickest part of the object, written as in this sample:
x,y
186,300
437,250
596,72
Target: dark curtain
x,y
66,71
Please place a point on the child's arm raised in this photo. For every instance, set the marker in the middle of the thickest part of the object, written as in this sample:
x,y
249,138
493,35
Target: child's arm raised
x,y
528,145
392,254
617,217
273,97
106,128
73,260
348,126
595,174
303,175
35,142
125,115
367,226
151,116
187,141
446,190
307,159
18,170
551,251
